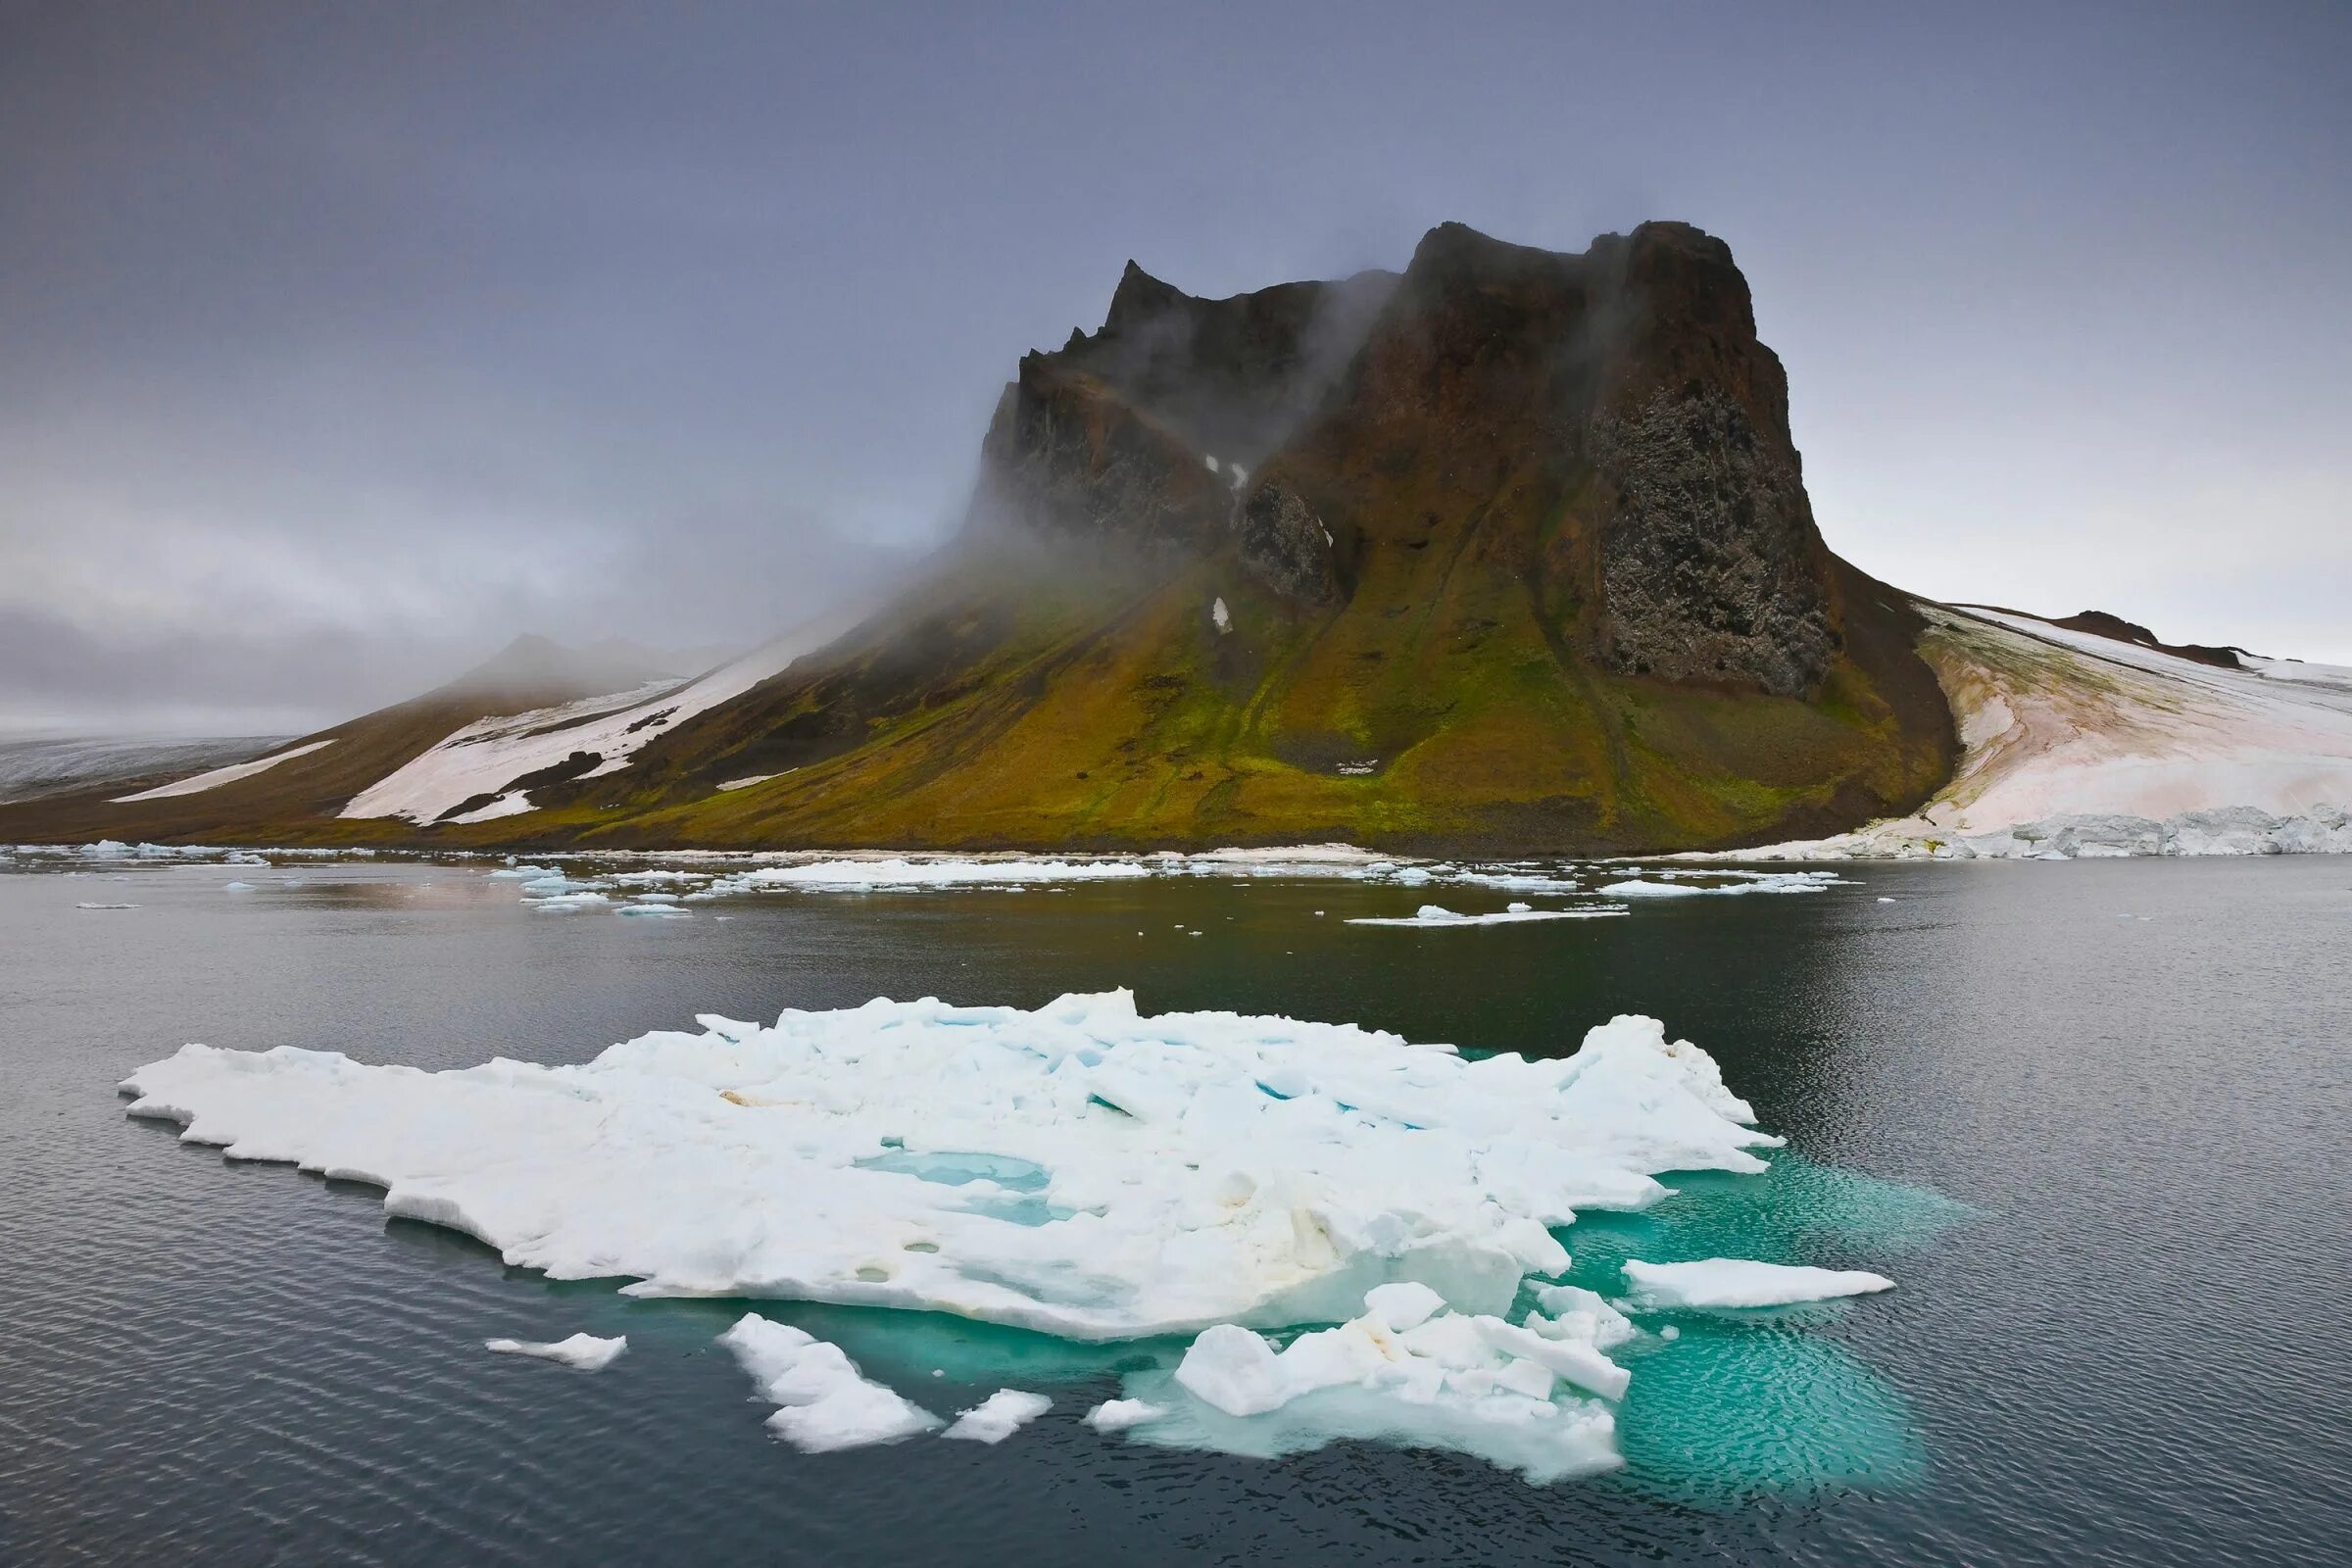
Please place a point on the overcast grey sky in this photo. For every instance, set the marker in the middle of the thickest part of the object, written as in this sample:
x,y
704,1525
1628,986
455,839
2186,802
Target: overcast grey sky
x,y
344,342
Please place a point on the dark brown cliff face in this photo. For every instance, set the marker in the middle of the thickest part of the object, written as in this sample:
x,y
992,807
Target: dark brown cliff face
x,y
1605,424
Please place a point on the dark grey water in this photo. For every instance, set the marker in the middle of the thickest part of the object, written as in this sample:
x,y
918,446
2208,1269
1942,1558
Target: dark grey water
x,y
2131,1347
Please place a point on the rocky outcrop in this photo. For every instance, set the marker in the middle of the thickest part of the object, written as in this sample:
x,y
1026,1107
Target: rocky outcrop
x,y
1287,547
1709,569
1608,419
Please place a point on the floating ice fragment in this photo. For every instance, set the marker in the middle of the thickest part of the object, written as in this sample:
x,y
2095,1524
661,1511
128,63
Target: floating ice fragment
x,y
1745,882
1470,1382
999,1416
1743,1282
1433,914
236,887
1117,1415
105,906
585,1352
826,1402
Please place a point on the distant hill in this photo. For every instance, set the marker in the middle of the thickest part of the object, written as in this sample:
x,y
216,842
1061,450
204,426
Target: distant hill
x,y
35,766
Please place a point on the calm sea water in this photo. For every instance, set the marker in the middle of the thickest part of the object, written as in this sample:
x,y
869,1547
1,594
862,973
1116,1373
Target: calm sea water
x,y
2091,1116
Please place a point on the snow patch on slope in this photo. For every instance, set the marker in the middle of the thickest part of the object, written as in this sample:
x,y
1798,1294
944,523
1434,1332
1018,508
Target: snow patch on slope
x,y
486,756
2078,745
222,775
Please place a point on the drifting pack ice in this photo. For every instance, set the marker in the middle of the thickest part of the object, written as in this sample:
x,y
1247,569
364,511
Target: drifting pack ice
x,y
1080,1169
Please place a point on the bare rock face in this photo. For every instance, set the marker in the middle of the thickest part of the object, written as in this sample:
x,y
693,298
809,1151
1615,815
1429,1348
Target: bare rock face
x,y
1707,562
1285,546
1066,456
1605,424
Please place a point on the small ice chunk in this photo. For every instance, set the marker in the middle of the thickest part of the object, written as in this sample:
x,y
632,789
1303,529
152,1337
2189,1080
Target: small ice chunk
x,y
999,1416
1404,1305
1462,1381
1213,465
105,906
585,1352
1117,1415
826,1402
1235,1370
1218,613
236,887
1743,1282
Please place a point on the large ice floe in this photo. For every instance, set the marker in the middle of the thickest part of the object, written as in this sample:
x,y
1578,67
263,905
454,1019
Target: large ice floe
x,y
2078,746
1358,1235
1079,1169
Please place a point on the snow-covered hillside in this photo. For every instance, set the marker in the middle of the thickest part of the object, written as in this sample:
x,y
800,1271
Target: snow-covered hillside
x,y
486,757
2077,744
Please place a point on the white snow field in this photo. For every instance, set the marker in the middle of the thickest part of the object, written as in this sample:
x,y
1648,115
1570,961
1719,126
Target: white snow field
x,y
2078,745
222,775
825,1402
1743,1282
1078,1169
585,1352
489,754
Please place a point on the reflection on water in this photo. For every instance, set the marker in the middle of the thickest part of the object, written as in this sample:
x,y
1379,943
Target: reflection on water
x,y
2130,1120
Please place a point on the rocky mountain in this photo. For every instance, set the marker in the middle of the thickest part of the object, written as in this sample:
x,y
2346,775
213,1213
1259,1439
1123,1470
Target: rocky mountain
x,y
1508,551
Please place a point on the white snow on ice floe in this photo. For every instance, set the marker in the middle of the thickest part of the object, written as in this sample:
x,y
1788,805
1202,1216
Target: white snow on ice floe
x,y
105,906
999,1416
826,1402
1437,914
221,775
585,1352
1526,1397
857,875
1743,1282
1079,1169
1789,882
